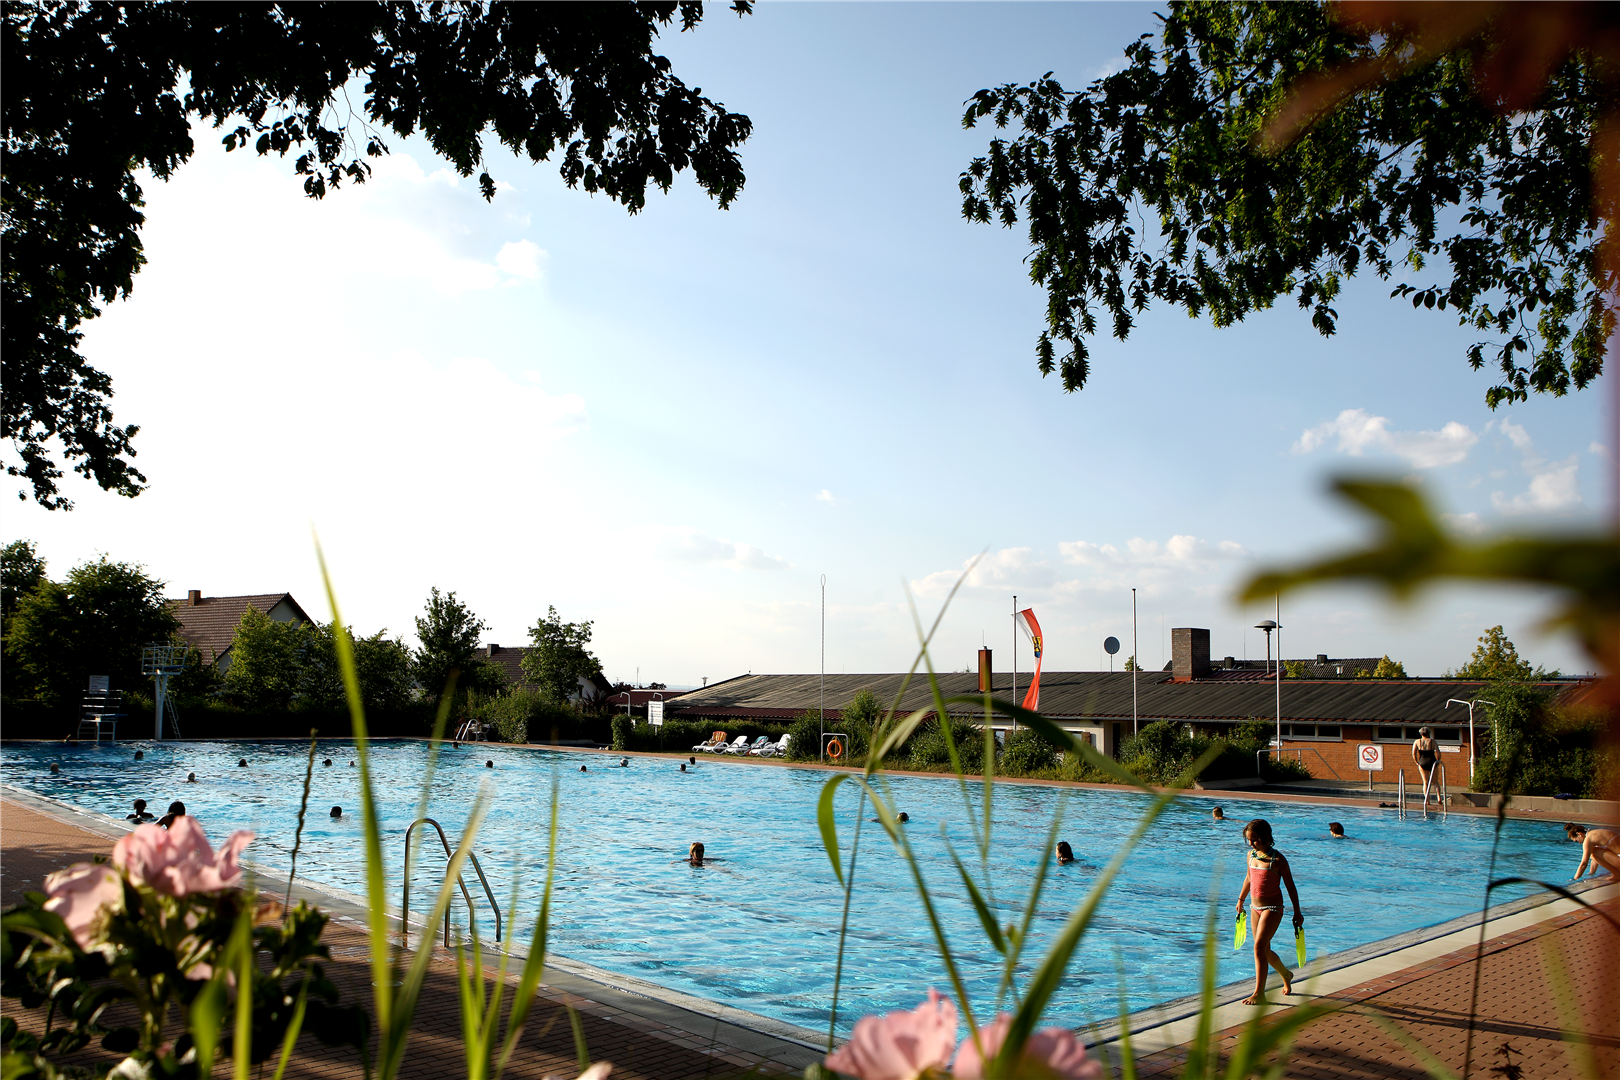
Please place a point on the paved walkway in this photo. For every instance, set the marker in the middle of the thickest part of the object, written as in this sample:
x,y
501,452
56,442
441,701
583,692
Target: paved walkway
x,y
1424,989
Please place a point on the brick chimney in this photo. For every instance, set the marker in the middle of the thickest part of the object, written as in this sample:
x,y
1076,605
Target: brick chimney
x,y
984,671
194,597
1189,653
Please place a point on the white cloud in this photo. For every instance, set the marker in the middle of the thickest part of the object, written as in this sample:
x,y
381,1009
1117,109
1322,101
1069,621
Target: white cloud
x,y
520,258
1014,567
688,545
1179,550
1358,432
1597,449
1516,434
827,497
1550,490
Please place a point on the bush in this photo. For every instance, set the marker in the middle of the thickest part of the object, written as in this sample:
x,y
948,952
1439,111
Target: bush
x,y
511,729
516,713
623,725
806,742
1024,753
926,750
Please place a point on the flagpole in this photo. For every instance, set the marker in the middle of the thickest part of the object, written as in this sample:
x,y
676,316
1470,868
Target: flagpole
x,y
823,661
1015,650
1136,665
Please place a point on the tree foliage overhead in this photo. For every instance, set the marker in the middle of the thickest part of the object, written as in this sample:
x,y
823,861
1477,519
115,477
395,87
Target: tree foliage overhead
x,y
448,633
1496,657
96,92
1150,184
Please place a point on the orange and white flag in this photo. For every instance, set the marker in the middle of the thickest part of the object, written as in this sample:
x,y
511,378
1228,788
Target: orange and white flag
x,y
1032,630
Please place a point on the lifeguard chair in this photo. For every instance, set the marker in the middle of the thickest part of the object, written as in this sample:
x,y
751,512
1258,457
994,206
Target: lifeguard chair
x,y
99,711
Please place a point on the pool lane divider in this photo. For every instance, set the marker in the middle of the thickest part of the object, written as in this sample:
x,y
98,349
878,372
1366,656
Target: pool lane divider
x,y
699,1018
1175,1023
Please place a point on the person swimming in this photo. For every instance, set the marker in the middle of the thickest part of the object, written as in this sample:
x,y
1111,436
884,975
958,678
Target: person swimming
x,y
1262,886
583,769
328,761
140,813
683,766
1336,830
337,811
691,760
624,763
140,755
177,809
1218,814
694,854
1599,847
191,778
241,763
56,770
1065,853
489,763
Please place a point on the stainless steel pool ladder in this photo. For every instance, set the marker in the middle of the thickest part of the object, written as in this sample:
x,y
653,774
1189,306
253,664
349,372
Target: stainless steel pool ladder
x,y
449,855
1400,792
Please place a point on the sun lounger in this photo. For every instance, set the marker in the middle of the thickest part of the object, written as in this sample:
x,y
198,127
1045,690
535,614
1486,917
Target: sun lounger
x,y
772,749
717,739
733,747
750,748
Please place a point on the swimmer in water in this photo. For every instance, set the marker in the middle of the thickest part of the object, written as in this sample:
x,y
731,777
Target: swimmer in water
x,y
490,764
1335,830
177,809
328,761
191,778
140,813
241,763
694,854
337,811
1218,814
56,770
901,816
140,755
683,766
1065,853
692,760
624,763
583,769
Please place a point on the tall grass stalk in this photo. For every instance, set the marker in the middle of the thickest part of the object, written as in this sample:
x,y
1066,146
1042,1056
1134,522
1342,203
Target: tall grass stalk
x,y
298,834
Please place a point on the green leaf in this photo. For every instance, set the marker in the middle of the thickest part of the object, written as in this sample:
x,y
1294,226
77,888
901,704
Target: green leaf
x,y
829,827
987,919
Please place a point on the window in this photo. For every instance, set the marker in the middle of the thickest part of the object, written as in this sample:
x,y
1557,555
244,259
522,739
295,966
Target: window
x,y
1312,731
1328,731
1409,733
1388,733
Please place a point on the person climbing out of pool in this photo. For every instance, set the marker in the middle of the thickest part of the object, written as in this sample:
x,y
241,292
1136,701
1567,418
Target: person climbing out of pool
x,y
1600,847
1218,814
1268,873
1426,753
1065,853
140,813
1335,830
177,809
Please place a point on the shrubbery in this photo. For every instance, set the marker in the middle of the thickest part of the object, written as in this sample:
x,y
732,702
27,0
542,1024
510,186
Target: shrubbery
x,y
518,714
1541,748
623,725
1024,753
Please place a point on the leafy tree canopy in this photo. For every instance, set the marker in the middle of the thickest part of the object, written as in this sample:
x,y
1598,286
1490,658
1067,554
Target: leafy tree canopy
x,y
1149,184
94,623
448,632
1495,657
21,569
558,658
97,91
1384,669
276,666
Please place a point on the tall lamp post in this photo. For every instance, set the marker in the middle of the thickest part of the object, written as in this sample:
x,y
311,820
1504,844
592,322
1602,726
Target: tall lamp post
x,y
1268,626
1477,701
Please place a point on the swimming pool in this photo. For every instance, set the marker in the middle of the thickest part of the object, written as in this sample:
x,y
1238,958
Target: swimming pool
x,y
758,928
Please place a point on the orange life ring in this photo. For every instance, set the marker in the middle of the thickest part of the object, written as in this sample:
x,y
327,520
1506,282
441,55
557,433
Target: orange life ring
x,y
835,749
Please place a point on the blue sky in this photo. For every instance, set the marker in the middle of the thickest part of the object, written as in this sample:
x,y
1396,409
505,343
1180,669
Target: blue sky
x,y
674,423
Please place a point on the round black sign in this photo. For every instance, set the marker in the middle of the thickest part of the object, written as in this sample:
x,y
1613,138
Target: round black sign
x,y
1111,645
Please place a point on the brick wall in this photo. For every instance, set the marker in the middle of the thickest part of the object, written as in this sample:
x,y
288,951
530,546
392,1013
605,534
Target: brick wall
x,y
1337,760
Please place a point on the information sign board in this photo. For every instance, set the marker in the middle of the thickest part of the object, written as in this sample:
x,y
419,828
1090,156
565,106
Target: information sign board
x,y
655,713
1370,757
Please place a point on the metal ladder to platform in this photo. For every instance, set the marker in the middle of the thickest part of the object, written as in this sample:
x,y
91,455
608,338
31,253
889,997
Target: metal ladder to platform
x,y
405,906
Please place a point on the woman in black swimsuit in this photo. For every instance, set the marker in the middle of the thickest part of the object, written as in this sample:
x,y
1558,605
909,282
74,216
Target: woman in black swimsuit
x,y
1426,754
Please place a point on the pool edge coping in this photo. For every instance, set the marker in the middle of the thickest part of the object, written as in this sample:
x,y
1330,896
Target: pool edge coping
x,y
606,988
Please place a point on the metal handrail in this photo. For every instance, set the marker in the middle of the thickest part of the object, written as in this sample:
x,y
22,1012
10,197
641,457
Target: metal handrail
x,y
405,914
1400,791
1444,801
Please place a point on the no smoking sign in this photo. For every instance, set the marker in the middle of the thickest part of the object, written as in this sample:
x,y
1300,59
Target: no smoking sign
x,y
1370,758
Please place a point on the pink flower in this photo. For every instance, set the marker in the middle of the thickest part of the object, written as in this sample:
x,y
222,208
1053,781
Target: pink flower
x,y
79,894
901,1045
1050,1052
178,861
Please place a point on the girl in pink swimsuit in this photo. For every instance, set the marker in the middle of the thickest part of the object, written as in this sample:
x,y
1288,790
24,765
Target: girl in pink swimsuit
x,y
1268,873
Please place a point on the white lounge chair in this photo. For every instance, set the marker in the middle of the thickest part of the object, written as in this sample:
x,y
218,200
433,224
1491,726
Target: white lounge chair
x,y
717,739
733,747
772,749
750,748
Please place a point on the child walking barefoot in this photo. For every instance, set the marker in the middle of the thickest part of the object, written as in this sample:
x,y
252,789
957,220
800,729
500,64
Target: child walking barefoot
x,y
1268,873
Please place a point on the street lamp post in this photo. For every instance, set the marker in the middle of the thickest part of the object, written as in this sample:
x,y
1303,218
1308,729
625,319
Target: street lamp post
x,y
1471,704
1268,626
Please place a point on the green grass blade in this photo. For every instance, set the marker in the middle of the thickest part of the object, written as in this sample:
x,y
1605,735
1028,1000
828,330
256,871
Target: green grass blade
x,y
298,834
897,835
382,976
242,954
294,1027
1016,952
829,826
1127,1056
1050,975
206,1012
581,1051
987,918
533,967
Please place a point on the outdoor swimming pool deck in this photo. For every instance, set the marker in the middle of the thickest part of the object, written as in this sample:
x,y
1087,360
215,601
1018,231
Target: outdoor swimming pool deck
x,y
671,1034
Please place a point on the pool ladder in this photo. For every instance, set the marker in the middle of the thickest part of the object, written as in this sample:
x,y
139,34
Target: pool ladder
x,y
405,914
1400,793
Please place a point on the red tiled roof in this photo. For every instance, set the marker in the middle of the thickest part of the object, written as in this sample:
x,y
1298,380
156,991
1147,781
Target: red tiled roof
x,y
208,623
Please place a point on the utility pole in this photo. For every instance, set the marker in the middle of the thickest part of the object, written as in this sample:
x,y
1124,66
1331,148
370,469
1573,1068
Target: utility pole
x,y
1136,664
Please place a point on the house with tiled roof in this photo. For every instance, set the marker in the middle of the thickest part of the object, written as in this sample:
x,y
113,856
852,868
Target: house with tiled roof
x,y
208,623
509,662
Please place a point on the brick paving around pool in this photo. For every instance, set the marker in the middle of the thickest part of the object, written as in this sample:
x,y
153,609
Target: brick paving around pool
x,y
1577,1035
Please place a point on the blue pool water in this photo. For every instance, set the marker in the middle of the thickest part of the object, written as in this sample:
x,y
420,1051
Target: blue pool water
x,y
758,928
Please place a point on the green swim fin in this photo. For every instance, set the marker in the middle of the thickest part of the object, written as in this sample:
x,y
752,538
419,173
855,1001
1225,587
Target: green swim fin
x,y
1299,945
1241,931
